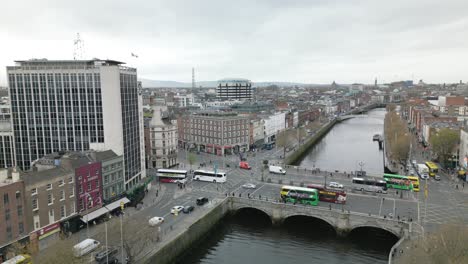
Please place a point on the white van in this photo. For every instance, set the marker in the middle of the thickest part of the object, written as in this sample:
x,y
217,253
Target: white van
x,y
85,246
276,169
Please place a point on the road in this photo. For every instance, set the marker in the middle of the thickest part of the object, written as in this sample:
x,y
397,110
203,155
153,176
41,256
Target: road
x,y
445,204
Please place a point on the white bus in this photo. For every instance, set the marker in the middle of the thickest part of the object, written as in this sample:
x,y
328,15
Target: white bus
x,y
173,176
369,185
209,176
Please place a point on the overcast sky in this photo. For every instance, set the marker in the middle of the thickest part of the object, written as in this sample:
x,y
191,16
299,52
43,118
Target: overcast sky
x,y
311,41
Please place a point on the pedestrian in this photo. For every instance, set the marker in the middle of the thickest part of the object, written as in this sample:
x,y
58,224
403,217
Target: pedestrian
x,y
329,206
456,186
260,196
463,185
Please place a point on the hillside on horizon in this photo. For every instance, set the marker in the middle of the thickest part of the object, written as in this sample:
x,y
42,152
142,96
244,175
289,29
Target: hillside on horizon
x,y
147,83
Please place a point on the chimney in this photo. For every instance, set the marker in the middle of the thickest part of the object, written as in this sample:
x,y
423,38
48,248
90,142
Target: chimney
x,y
15,175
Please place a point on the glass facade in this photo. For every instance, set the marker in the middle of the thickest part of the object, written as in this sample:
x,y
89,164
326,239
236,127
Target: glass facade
x,y
131,127
54,111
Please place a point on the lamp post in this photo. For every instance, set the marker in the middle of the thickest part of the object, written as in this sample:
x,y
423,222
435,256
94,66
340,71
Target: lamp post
x,y
88,197
361,164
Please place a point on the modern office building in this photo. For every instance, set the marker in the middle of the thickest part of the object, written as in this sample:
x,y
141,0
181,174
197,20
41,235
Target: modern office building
x,y
6,137
77,105
234,89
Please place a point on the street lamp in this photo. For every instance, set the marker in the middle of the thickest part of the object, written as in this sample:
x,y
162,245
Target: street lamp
x,y
361,164
88,198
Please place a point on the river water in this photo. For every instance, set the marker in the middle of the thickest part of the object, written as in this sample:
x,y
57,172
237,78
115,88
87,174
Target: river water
x,y
248,237
350,144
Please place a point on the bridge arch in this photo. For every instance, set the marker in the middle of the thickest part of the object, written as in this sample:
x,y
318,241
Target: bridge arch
x,y
252,209
324,220
377,227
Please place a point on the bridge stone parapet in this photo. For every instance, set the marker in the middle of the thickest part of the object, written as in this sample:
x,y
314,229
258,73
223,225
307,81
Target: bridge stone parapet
x,y
342,221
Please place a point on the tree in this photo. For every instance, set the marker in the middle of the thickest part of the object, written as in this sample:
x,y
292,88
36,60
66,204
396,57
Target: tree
x,y
284,139
444,142
396,137
446,245
301,134
192,159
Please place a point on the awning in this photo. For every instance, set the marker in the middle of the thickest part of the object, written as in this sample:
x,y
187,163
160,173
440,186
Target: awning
x,y
116,204
93,215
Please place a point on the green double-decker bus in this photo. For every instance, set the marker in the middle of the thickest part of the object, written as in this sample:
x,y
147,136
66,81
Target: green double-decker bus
x,y
401,182
300,195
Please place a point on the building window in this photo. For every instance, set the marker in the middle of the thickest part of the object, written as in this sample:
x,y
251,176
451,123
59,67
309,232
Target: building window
x,y
70,180
81,189
50,199
72,191
106,179
89,186
72,208
51,212
5,198
34,205
61,182
62,195
18,195
20,211
7,214
33,191
20,227
81,205
62,211
49,186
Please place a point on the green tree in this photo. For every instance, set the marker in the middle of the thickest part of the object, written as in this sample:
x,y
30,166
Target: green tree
x,y
444,142
446,245
301,134
61,252
191,159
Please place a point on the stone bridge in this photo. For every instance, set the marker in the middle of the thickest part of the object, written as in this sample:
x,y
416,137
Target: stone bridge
x,y
343,222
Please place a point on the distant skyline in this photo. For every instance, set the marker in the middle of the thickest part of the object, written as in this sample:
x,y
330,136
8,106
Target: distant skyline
x,y
304,41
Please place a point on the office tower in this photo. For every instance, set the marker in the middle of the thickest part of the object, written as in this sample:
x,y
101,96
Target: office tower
x,y
77,105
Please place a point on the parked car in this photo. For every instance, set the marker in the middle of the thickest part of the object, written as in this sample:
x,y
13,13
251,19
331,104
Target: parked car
x,y
188,209
102,255
249,186
155,221
176,209
202,200
335,185
437,178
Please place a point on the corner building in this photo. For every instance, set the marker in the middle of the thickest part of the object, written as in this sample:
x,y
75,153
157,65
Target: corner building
x,y
77,105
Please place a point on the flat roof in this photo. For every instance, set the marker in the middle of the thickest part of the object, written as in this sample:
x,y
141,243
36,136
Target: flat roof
x,y
41,61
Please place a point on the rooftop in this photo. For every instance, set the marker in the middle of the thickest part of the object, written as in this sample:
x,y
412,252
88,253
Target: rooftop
x,y
46,61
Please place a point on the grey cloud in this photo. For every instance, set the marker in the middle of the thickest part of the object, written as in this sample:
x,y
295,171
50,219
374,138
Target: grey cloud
x,y
308,41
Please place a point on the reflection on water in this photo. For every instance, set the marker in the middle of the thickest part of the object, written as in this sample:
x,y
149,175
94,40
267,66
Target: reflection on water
x,y
348,144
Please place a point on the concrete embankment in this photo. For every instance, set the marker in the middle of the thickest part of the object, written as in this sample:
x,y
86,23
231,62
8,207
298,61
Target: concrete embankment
x,y
186,238
296,157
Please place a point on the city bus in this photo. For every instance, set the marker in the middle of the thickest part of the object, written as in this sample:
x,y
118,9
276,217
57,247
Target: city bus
x,y
369,185
328,195
172,176
433,169
401,182
209,176
301,195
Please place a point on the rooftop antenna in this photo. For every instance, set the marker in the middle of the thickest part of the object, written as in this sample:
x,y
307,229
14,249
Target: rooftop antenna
x,y
78,48
193,78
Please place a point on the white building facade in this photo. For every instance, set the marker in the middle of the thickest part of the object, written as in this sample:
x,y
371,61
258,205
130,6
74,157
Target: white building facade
x,y
274,124
163,139
183,100
77,105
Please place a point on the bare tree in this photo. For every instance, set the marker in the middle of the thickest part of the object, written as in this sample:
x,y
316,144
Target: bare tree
x,y
61,252
397,137
446,245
